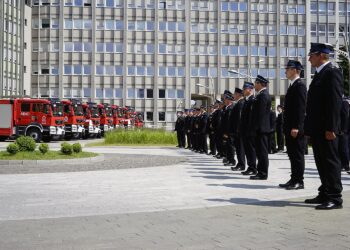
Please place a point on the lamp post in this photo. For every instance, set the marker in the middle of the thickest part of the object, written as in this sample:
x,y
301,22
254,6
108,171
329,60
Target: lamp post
x,y
238,73
210,88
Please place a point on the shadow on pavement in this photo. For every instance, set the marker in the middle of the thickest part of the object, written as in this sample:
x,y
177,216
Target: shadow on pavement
x,y
244,186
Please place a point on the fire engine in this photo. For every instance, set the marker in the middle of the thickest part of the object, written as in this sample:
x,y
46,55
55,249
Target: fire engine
x,y
73,119
138,120
37,118
106,117
92,120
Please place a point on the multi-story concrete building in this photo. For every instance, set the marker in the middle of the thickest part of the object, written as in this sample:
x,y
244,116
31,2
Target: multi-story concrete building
x,y
15,50
158,55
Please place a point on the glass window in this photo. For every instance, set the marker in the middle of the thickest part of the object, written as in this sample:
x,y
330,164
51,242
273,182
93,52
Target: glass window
x,y
67,69
87,69
99,69
55,24
110,3
162,71
161,116
243,51
243,7
99,93
262,51
171,71
272,73
77,69
301,31
292,30
194,71
131,70
283,52
171,26
171,93
109,70
78,2
110,47
331,9
181,71
313,7
109,24
162,26
322,8
68,46
119,25
301,9
203,72
87,92
234,6
161,93
140,70
100,47
131,25
272,51
141,25
292,52
181,26
150,71
87,47
78,47
149,116
180,93
109,93
313,29
149,93
118,93
150,25
254,51
119,70
301,52
131,93
224,6
213,72
283,29
67,92
78,24
140,93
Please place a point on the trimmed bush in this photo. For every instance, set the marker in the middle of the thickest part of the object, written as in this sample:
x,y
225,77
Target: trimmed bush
x,y
44,148
77,148
12,148
66,148
26,143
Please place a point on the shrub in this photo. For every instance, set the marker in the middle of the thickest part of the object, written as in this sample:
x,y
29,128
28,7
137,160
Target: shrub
x,y
76,147
12,148
44,148
26,143
66,148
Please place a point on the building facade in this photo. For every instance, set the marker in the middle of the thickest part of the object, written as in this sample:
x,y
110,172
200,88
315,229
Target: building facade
x,y
15,51
158,55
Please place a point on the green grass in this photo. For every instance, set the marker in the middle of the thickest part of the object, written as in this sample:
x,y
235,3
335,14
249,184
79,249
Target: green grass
x,y
139,137
51,155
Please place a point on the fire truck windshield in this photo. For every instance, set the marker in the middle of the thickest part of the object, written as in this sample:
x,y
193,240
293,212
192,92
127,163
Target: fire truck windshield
x,y
78,110
109,112
46,109
94,112
57,109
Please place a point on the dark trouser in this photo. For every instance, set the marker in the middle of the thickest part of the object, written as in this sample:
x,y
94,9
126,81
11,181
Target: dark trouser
x,y
238,141
280,139
344,150
249,150
272,142
181,138
295,150
203,143
230,150
189,137
328,164
261,148
219,143
306,147
212,143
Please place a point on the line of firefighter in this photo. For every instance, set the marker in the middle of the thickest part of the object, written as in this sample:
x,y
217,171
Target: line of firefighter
x,y
241,126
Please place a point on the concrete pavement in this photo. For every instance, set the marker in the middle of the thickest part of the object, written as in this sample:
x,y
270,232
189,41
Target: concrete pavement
x,y
199,204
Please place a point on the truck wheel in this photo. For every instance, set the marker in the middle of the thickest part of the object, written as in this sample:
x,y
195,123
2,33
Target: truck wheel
x,y
3,138
35,133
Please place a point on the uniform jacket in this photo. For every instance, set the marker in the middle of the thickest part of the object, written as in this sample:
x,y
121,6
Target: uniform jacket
x,y
180,124
344,117
272,121
217,124
261,112
203,119
279,121
188,125
236,116
324,100
294,107
247,125
227,126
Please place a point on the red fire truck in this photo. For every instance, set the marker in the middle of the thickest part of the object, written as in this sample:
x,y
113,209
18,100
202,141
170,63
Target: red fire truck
x,y
106,117
37,118
92,120
138,120
73,119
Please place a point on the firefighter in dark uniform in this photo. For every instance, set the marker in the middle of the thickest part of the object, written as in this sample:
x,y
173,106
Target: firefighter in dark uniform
x,y
196,130
188,118
344,136
211,129
227,125
323,125
272,137
180,129
217,123
294,115
238,140
261,119
203,120
279,129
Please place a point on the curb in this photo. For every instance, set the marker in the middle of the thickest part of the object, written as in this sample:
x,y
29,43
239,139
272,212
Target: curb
x,y
51,162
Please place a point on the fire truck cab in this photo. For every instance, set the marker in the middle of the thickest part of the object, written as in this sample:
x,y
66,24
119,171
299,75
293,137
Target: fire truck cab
x,y
106,115
73,118
92,120
37,118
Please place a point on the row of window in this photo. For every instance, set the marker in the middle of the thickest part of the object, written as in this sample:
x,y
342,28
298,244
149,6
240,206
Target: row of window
x,y
322,29
324,8
268,73
10,27
10,55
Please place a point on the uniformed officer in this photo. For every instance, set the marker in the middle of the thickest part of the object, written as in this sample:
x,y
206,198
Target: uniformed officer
x,y
247,129
279,129
272,137
227,124
180,129
261,118
211,128
188,117
217,123
236,119
323,125
203,119
344,135
294,114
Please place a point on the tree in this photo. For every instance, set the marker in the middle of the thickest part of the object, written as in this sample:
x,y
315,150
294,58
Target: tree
x,y
344,64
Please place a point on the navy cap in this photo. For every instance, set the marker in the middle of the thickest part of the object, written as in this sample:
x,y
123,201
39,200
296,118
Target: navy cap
x,y
248,85
202,107
320,48
227,92
238,91
218,101
261,79
228,97
294,64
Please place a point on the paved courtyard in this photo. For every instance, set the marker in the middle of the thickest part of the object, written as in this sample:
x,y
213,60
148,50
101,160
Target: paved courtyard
x,y
192,203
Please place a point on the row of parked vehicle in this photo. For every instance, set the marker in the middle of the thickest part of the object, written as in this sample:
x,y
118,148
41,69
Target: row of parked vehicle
x,y
55,119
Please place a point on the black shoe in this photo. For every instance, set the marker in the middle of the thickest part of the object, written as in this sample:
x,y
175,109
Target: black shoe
x,y
328,206
224,161
258,177
285,184
249,172
237,168
295,186
348,172
316,200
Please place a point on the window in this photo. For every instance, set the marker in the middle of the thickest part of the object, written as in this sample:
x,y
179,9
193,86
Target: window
x,y
331,30
149,116
87,69
77,69
67,69
45,23
180,93
99,70
68,24
313,7
301,9
140,93
161,93
131,93
313,29
25,107
99,93
109,93
161,116
119,70
171,93
87,92
67,92
322,8
118,93
149,93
